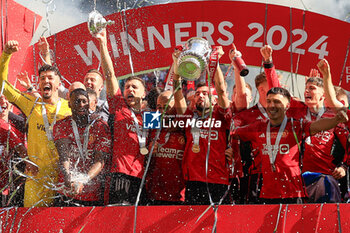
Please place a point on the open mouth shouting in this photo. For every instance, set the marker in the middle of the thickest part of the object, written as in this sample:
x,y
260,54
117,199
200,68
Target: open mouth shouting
x,y
308,98
130,98
47,88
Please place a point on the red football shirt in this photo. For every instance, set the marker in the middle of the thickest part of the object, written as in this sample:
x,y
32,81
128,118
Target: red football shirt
x,y
194,163
11,135
244,118
126,157
286,181
165,180
99,140
317,155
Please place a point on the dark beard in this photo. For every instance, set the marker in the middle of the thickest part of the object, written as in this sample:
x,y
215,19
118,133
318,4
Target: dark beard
x,y
81,120
201,109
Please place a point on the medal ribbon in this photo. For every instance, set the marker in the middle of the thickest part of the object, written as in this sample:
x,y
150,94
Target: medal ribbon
x,y
195,131
262,110
213,64
140,135
82,148
48,127
308,117
319,114
273,151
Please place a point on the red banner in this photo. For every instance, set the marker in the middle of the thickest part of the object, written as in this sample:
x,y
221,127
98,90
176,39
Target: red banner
x,y
17,23
249,218
299,38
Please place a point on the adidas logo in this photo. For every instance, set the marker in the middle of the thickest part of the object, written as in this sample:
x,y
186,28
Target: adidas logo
x,y
262,135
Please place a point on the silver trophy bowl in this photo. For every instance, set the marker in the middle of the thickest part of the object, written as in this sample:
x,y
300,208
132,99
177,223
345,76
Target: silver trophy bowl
x,y
96,22
194,58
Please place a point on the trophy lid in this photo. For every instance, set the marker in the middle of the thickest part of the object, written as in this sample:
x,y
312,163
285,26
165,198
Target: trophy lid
x,y
96,22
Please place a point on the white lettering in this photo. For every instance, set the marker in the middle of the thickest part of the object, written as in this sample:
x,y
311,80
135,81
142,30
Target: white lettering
x,y
181,124
284,37
207,34
139,46
190,123
226,33
217,124
91,48
347,78
179,34
199,124
152,32
114,45
206,124
347,69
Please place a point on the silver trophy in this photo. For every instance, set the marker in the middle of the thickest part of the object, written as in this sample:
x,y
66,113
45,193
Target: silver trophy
x,y
194,58
96,22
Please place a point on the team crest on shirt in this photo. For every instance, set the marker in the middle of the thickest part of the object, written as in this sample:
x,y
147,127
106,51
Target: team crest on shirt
x,y
181,140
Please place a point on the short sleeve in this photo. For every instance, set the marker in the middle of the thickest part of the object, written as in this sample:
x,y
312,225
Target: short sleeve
x,y
60,130
104,143
246,133
115,102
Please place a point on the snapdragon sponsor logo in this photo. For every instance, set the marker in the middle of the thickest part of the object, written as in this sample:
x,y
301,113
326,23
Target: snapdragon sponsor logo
x,y
152,120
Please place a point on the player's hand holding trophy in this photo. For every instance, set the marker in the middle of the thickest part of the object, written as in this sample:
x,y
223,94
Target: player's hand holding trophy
x,y
96,22
195,56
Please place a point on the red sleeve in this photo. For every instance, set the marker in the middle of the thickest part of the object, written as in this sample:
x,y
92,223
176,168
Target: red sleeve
x,y
246,133
305,127
14,139
271,75
104,137
115,102
60,130
348,122
5,131
343,135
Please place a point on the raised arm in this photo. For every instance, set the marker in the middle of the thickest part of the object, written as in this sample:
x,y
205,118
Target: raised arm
x,y
269,68
25,82
331,97
241,100
112,85
220,85
11,47
180,101
328,123
44,49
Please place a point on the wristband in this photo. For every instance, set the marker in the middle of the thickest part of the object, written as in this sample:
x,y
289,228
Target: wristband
x,y
30,89
268,65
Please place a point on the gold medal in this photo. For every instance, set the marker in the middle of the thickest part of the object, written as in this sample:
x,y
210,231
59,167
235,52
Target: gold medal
x,y
195,148
143,150
51,145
